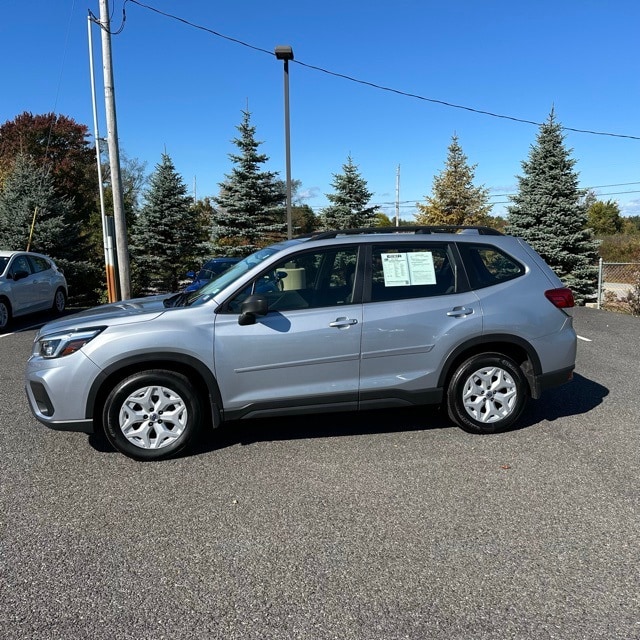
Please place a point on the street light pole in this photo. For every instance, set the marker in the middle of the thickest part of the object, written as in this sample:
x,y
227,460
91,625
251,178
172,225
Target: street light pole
x,y
285,53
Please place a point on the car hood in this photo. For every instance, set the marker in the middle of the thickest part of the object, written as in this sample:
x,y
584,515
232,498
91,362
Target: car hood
x,y
123,312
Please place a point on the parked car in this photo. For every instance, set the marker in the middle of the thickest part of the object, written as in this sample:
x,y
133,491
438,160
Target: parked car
x,y
29,282
346,320
210,270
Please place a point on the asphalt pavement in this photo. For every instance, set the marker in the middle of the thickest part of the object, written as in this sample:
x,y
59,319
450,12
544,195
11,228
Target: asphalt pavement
x,y
381,526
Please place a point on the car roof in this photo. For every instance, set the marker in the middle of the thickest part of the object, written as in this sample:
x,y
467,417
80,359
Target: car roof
x,y
4,253
415,233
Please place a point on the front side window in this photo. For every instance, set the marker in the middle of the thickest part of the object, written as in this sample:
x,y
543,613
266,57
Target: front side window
x,y
21,263
411,271
322,278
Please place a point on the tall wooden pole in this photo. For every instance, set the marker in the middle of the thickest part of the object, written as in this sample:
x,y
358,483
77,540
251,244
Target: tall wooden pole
x,y
112,283
122,248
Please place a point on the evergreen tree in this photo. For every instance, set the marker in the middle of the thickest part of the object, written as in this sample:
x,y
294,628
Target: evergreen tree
x,y
166,239
549,212
455,200
251,201
349,207
28,199
61,147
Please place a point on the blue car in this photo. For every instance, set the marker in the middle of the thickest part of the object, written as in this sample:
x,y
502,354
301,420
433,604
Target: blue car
x,y
210,270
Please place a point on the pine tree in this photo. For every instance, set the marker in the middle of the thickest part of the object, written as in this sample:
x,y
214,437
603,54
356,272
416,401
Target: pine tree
x,y
349,202
28,199
455,200
166,239
61,146
251,201
549,212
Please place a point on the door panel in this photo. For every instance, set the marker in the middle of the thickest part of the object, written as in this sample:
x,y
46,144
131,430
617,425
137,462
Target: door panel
x,y
289,358
419,311
306,350
404,342
24,292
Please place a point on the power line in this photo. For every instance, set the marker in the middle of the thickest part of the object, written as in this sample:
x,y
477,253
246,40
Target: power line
x,y
365,82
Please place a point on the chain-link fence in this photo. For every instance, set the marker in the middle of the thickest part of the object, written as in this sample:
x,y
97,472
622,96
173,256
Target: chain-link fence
x,y
616,279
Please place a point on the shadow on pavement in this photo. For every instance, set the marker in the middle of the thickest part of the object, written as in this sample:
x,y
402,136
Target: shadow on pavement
x,y
579,396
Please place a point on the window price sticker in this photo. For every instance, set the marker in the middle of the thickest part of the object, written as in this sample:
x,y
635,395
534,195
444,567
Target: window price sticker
x,y
406,269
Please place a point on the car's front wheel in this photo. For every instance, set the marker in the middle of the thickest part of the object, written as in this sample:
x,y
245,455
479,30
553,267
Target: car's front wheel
x,y
152,414
487,393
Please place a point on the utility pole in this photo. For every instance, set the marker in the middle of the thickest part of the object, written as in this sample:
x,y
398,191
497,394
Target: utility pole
x,y
122,248
107,222
398,197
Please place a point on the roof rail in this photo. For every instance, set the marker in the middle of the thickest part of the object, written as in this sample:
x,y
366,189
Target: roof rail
x,y
415,229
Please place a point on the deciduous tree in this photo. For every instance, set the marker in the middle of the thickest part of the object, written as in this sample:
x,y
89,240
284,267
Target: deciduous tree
x,y
604,218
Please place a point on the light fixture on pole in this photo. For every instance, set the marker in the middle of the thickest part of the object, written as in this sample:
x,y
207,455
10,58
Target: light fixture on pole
x,y
285,53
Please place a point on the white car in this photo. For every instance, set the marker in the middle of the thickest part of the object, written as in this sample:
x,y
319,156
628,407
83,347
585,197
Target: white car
x,y
29,282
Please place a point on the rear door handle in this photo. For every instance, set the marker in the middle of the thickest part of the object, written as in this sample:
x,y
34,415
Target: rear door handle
x,y
459,312
343,323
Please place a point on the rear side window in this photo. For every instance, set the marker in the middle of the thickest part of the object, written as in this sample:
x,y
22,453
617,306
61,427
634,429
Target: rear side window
x,y
416,271
487,265
39,264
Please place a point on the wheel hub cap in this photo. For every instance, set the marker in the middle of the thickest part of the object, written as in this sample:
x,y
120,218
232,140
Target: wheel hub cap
x,y
490,395
153,417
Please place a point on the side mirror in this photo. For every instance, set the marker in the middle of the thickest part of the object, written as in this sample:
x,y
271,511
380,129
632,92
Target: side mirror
x,y
252,307
191,274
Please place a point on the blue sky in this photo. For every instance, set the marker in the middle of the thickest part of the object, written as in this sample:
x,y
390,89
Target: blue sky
x,y
182,89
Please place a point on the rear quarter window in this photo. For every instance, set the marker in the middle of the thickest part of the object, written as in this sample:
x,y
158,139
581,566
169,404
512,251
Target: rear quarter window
x,y
487,265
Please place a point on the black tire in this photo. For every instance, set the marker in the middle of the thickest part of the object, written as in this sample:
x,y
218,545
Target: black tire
x,y
5,314
59,301
152,415
487,393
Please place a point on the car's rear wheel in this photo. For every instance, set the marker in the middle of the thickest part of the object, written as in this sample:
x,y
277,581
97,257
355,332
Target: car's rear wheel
x,y
487,393
152,414
5,314
59,301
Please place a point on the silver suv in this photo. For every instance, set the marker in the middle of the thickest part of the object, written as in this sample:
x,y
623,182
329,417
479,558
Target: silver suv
x,y
333,321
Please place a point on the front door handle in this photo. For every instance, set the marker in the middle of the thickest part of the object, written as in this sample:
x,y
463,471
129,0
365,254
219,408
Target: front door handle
x,y
459,312
343,323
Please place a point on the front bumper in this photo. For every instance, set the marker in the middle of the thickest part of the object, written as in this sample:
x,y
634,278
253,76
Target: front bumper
x,y
57,391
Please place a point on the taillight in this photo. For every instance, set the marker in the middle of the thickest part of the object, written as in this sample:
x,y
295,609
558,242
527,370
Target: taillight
x,y
561,298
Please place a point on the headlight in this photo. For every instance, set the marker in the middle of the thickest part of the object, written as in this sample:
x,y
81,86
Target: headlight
x,y
57,345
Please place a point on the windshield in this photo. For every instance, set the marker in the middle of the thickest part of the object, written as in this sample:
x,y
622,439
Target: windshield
x,y
231,275
3,264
